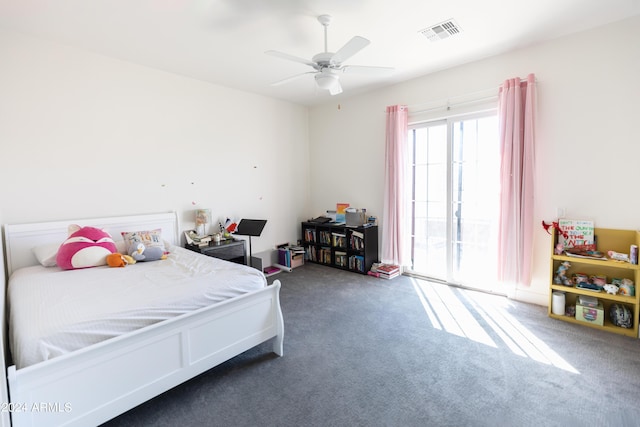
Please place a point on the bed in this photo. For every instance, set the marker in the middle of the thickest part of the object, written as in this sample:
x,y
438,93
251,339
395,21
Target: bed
x,y
75,377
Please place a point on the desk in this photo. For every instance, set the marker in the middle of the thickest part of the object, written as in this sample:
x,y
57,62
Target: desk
x,y
229,250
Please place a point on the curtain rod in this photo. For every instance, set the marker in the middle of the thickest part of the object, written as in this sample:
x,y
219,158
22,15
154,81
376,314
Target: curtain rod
x,y
449,105
447,102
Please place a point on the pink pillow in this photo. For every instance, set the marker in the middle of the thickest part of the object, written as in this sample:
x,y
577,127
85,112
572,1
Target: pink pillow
x,y
85,247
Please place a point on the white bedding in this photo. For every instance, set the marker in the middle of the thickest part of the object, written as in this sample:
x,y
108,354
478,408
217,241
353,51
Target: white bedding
x,y
53,311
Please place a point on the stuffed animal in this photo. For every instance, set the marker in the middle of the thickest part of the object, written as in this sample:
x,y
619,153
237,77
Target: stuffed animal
x,y
139,252
611,289
85,247
115,260
119,260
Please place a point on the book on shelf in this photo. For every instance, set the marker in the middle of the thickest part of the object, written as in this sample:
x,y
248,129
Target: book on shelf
x,y
309,235
339,240
577,233
356,240
582,253
356,262
284,257
291,256
340,258
325,237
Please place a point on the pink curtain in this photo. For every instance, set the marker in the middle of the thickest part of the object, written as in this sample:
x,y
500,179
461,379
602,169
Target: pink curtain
x,y
516,111
394,185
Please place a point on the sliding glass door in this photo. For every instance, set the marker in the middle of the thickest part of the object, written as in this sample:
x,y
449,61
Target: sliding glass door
x,y
455,196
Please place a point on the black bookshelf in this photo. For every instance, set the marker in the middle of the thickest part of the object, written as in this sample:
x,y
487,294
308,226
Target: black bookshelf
x,y
347,248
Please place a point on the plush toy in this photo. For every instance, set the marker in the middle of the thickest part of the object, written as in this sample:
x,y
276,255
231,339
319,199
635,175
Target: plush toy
x,y
611,289
115,260
85,247
627,288
119,260
139,252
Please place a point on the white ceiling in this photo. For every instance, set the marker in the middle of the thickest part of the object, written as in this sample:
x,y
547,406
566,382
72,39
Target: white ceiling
x,y
223,41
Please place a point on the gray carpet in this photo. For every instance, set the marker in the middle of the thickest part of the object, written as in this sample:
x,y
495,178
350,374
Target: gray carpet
x,y
361,351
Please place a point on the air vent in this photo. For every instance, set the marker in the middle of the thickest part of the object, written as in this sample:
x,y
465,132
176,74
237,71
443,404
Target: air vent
x,y
441,31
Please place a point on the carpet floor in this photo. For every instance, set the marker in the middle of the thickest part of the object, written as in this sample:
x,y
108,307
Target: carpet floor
x,y
362,351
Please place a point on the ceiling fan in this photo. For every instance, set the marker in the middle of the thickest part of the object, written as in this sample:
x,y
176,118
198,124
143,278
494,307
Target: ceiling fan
x,y
328,66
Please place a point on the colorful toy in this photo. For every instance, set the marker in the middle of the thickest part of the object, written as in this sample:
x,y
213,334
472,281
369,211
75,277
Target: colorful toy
x,y
85,247
139,252
561,275
611,289
627,288
617,256
119,260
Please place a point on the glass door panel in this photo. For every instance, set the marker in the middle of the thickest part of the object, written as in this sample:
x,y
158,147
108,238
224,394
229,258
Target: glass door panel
x,y
455,201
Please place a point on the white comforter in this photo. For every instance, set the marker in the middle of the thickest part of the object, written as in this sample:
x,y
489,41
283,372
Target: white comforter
x,y
53,311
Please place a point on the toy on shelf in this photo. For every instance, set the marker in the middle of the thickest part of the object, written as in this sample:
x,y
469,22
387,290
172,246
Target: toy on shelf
x,y
561,275
621,315
626,287
611,289
617,256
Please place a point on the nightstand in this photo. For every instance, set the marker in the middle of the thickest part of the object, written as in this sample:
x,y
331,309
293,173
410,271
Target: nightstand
x,y
229,250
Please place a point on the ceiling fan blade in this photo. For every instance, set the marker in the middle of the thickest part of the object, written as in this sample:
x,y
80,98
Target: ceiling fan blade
x,y
352,47
363,69
288,57
335,88
288,79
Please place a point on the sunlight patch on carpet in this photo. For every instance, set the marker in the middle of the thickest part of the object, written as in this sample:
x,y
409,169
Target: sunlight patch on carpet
x,y
447,312
456,311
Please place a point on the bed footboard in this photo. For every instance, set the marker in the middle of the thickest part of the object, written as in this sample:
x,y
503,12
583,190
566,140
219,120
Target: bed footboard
x,y
93,385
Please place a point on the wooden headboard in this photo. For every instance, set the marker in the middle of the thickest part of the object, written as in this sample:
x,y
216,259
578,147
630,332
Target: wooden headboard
x,y
20,239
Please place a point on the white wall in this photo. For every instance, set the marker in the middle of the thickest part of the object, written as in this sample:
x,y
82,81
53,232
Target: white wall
x,y
587,141
82,135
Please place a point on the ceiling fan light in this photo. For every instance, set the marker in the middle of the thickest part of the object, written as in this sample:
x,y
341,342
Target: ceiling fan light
x,y
326,81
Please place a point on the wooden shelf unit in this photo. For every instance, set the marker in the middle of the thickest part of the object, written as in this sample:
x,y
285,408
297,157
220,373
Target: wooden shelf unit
x,y
347,248
607,240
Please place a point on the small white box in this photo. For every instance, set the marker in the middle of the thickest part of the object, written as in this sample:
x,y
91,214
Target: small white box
x,y
587,301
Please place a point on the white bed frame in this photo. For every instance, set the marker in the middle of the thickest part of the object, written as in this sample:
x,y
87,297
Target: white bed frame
x,y
97,383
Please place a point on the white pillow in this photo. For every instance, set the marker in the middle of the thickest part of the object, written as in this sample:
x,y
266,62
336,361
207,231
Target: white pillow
x,y
46,254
